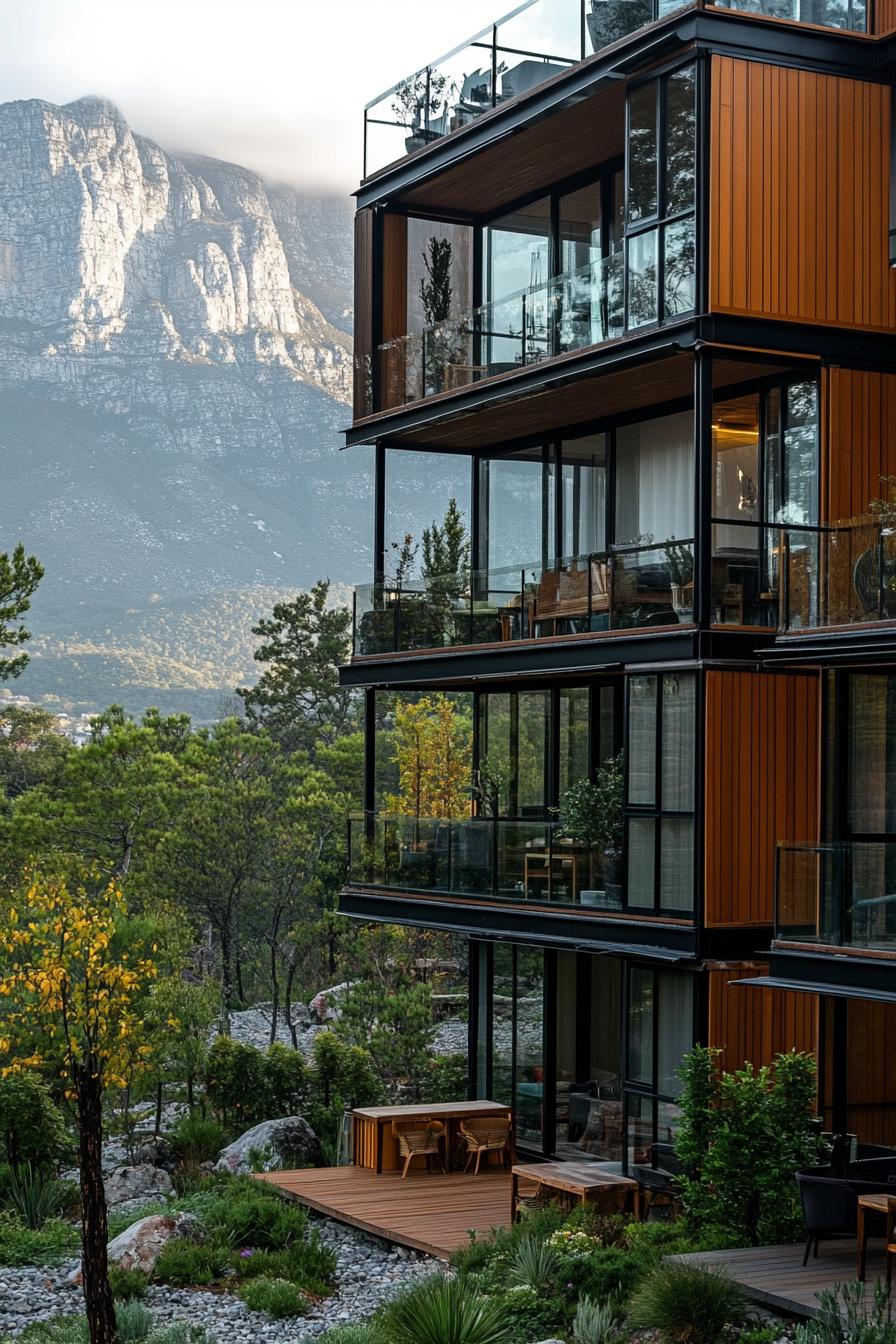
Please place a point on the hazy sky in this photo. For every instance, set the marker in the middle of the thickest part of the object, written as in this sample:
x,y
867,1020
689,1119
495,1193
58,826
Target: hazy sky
x,y
278,85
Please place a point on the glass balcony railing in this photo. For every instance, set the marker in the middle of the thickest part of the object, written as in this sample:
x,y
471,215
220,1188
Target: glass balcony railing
x,y
580,308
796,578
515,860
624,588
837,895
534,42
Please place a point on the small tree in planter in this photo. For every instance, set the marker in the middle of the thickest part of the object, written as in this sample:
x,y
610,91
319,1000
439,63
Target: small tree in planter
x,y
591,815
418,99
680,559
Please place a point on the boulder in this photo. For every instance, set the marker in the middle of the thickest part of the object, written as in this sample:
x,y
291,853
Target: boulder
x,y
156,1152
324,1007
140,1245
124,1185
272,1146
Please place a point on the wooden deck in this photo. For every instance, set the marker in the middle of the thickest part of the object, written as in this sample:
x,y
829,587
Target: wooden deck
x,y
774,1275
428,1213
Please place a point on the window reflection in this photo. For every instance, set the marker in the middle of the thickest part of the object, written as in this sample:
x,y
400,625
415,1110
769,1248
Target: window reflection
x,y
589,1083
516,510
529,1075
584,487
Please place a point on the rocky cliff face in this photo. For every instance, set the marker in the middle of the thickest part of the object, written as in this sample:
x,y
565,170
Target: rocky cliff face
x,y
172,388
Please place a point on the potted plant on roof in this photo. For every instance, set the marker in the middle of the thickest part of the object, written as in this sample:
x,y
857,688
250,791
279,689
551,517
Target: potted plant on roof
x,y
416,105
680,559
590,814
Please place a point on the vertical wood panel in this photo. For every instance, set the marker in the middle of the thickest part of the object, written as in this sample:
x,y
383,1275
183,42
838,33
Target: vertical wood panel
x,y
762,786
884,12
798,212
363,314
860,440
751,1026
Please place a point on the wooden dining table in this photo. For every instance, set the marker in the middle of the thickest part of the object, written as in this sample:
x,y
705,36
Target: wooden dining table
x,y
876,1203
374,1145
585,1182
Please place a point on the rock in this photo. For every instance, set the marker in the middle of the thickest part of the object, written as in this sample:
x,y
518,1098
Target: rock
x,y
324,1007
156,1152
273,1146
126,1184
140,1245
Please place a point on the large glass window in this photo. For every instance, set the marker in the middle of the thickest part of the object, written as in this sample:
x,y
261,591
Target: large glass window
x,y
655,480
765,478
589,1065
517,258
514,742
871,755
660,1032
529,1091
419,489
660,762
583,475
660,199
516,509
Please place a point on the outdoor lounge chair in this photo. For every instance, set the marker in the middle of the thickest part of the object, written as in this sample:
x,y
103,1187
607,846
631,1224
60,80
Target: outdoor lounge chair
x,y
657,1180
485,1136
420,1140
830,1203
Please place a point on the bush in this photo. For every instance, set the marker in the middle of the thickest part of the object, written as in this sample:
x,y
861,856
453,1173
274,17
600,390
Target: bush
x,y
528,1314
286,1081
21,1245
73,1330
845,1318
446,1079
197,1138
443,1311
133,1322
260,1220
184,1263
233,1081
353,1334
127,1284
594,1323
278,1298
308,1264
535,1263
32,1127
35,1195
688,1303
609,1272
741,1138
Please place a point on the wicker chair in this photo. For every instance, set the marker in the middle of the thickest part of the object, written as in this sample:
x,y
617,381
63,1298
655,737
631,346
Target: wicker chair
x,y
420,1140
485,1136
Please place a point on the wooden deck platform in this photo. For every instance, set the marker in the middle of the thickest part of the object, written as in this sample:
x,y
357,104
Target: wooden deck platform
x,y
427,1213
774,1275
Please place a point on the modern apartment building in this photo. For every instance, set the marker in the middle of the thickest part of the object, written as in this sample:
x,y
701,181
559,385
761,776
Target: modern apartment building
x,y
624,297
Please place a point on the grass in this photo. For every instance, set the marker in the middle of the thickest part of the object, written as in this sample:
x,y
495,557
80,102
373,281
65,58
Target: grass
x,y
688,1304
49,1245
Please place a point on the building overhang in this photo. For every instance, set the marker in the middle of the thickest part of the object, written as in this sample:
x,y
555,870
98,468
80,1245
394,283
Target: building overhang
x,y
835,976
506,922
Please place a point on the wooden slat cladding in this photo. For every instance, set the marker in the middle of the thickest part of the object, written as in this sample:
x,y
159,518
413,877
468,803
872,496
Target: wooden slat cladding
x,y
884,16
751,1026
762,785
363,316
800,163
860,439
870,1074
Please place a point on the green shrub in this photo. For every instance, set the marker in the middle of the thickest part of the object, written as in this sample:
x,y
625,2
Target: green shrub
x,y
233,1081
278,1298
353,1334
35,1195
286,1081
761,1334
32,1127
741,1138
127,1284
534,1263
21,1245
133,1322
446,1079
184,1263
260,1220
527,1314
343,1073
197,1138
609,1272
845,1318
594,1322
73,1330
688,1303
308,1264
443,1311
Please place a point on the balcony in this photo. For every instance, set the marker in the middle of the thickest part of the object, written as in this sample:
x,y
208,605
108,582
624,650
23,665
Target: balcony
x,y
481,856
535,42
624,588
840,895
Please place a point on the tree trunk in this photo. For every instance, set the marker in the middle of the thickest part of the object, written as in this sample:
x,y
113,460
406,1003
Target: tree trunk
x,y
191,1103
287,1002
239,981
98,1301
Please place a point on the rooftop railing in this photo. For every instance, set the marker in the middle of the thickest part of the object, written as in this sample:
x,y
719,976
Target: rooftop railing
x,y
519,860
518,52
837,895
624,587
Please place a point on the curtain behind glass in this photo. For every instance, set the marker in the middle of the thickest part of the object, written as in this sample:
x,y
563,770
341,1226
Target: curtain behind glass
x,y
584,487
675,1015
872,754
655,479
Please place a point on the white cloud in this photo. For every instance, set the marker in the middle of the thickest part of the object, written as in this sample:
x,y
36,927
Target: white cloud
x,y
275,85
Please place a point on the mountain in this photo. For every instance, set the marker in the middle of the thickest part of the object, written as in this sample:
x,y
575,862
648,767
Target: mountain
x,y
175,364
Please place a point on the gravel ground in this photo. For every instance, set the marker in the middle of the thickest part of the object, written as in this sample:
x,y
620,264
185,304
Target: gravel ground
x,y
368,1271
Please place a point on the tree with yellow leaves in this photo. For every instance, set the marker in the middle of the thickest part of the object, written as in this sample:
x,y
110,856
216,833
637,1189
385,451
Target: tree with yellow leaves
x,y
433,745
70,981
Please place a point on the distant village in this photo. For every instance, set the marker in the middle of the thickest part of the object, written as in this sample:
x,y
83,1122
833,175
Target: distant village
x,y
76,727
